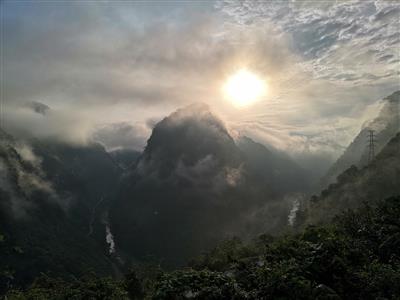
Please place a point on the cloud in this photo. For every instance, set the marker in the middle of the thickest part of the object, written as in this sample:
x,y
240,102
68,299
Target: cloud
x,y
344,59
70,124
122,135
95,57
342,41
97,64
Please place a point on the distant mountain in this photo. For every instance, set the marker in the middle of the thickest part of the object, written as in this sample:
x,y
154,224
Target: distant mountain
x,y
272,167
50,205
124,158
86,171
376,181
385,126
193,186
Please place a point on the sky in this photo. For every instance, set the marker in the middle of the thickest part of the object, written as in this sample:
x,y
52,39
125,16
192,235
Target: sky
x,y
110,70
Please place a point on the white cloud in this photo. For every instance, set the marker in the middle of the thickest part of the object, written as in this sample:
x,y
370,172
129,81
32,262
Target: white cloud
x,y
347,42
95,64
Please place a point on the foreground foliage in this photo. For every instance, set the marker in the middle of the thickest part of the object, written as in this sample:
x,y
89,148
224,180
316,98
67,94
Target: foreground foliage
x,y
355,257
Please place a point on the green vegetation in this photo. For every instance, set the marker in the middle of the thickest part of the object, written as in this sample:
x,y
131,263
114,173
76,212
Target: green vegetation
x,y
89,287
378,180
357,256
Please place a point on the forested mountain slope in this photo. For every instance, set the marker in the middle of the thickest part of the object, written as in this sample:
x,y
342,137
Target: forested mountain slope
x,y
385,127
355,257
377,180
48,194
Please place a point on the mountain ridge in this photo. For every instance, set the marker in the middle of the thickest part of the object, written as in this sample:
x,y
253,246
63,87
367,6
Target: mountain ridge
x,y
385,125
376,181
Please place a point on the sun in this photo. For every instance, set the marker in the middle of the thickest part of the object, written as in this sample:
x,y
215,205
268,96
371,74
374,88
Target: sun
x,y
244,88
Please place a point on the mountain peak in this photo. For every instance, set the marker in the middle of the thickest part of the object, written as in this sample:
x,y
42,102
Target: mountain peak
x,y
196,112
189,135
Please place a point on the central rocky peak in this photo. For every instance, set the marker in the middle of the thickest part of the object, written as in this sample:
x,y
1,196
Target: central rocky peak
x,y
188,136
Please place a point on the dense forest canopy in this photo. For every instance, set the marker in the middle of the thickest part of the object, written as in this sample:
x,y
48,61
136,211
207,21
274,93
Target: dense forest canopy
x,y
357,256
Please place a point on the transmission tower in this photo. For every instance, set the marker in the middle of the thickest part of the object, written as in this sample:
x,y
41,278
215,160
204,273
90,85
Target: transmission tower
x,y
371,145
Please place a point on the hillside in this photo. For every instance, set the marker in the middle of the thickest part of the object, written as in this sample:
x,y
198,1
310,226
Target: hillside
x,y
355,257
272,167
48,219
378,180
385,126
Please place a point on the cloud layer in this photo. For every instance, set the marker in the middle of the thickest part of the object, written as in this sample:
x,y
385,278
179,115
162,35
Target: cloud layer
x,y
110,69
344,41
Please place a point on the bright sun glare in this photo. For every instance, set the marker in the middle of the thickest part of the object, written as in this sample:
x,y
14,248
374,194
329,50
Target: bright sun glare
x,y
244,88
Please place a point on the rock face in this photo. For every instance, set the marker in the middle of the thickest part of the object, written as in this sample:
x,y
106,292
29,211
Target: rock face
x,y
193,186
385,127
376,181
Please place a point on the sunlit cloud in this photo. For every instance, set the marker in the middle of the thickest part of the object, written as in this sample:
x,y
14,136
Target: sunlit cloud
x,y
99,66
